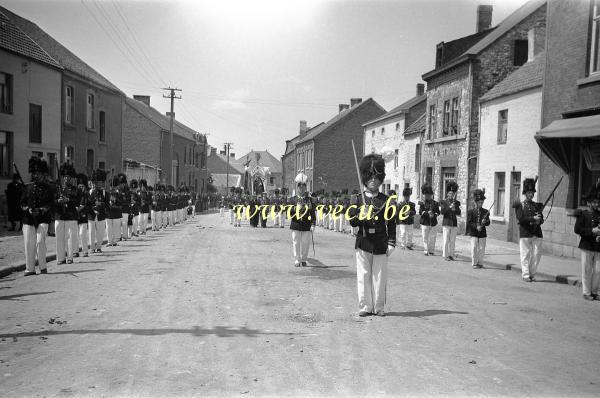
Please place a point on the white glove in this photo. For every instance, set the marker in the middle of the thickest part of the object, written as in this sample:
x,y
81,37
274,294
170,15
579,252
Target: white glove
x,y
390,250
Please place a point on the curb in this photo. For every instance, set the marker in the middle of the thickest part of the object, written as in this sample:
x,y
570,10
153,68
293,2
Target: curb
x,y
563,279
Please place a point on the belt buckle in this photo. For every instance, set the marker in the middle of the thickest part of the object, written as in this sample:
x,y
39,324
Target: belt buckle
x,y
371,230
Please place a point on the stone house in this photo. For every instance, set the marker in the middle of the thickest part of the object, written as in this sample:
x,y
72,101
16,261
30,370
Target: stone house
x,y
288,159
224,176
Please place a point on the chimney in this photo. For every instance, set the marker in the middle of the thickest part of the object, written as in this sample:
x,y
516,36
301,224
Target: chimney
x,y
420,89
484,17
303,127
343,107
169,114
142,98
355,101
232,155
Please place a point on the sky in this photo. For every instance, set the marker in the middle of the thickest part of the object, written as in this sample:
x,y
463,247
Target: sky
x,y
250,70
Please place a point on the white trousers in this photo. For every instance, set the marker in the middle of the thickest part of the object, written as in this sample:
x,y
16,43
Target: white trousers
x,y
83,237
113,228
477,250
66,238
231,216
371,280
531,253
429,236
135,224
449,239
406,235
35,246
300,244
143,222
96,229
590,271
222,211
124,220
155,223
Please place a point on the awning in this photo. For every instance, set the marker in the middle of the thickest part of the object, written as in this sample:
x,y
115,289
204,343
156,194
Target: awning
x,y
562,139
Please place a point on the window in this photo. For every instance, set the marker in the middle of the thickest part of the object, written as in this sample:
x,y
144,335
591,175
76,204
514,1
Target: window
x,y
35,123
432,117
502,126
429,175
5,153
520,52
69,104
396,189
52,164
382,130
397,126
90,111
417,158
90,160
448,174
6,83
446,126
396,159
455,116
102,126
595,49
373,134
102,165
69,154
500,193
271,180
184,155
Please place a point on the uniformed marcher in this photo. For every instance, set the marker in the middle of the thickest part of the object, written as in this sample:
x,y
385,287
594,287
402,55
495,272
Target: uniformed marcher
x,y
114,220
36,203
84,214
65,225
375,238
588,227
450,208
406,226
529,214
477,219
302,221
429,210
98,201
135,207
145,199
124,201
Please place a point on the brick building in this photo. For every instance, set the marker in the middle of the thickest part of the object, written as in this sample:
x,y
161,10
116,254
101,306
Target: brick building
x,y
570,116
465,69
324,153
146,142
288,159
388,130
510,116
91,107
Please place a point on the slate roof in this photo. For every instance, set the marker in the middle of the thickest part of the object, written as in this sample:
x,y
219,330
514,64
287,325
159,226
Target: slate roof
x,y
266,159
161,120
220,180
16,41
528,76
234,167
418,126
400,109
58,52
290,145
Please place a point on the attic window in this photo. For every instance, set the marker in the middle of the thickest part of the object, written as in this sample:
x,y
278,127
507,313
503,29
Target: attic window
x,y
521,52
397,126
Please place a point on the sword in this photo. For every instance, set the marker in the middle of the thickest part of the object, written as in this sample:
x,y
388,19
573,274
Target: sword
x,y
313,242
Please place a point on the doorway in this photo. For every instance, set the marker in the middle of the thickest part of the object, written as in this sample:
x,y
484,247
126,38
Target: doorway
x,y
515,196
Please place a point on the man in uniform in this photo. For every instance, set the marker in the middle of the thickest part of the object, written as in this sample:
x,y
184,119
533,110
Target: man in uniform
x,y
135,207
65,225
477,219
124,200
529,214
429,210
36,204
84,213
302,221
13,191
145,200
375,239
588,227
450,209
406,226
98,201
114,220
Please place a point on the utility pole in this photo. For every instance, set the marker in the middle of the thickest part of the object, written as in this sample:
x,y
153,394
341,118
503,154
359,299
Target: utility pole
x,y
170,157
227,148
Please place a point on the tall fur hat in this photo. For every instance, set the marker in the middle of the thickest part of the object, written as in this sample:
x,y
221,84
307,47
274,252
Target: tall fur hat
x,y
133,183
529,184
479,194
451,186
407,191
99,175
372,165
426,189
122,178
143,183
67,170
301,178
150,188
82,179
37,164
115,181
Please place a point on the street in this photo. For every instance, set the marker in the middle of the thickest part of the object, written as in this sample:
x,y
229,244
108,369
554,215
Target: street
x,y
207,309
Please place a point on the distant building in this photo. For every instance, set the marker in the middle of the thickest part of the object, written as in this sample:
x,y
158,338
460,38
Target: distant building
x,y
261,159
220,168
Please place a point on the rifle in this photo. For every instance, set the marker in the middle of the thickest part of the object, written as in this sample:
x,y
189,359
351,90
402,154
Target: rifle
x,y
60,182
362,192
551,196
18,174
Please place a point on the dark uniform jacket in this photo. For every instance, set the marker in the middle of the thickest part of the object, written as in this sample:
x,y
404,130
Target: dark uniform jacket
x,y
477,217
424,208
586,221
304,222
450,209
525,211
410,220
375,235
38,197
67,211
98,202
115,209
136,203
125,199
84,210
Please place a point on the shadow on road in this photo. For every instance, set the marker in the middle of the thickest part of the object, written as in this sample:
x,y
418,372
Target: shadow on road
x,y
219,331
76,271
424,313
15,296
318,264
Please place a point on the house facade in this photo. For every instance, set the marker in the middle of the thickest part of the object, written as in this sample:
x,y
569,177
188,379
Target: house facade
x,y
224,176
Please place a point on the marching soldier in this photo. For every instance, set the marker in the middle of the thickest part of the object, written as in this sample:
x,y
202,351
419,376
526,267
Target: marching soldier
x,y
36,204
529,214
375,240
429,210
406,225
135,207
84,213
98,201
302,221
450,209
588,227
65,224
145,199
477,219
114,219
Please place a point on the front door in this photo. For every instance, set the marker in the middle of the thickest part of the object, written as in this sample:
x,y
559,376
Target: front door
x,y
515,196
